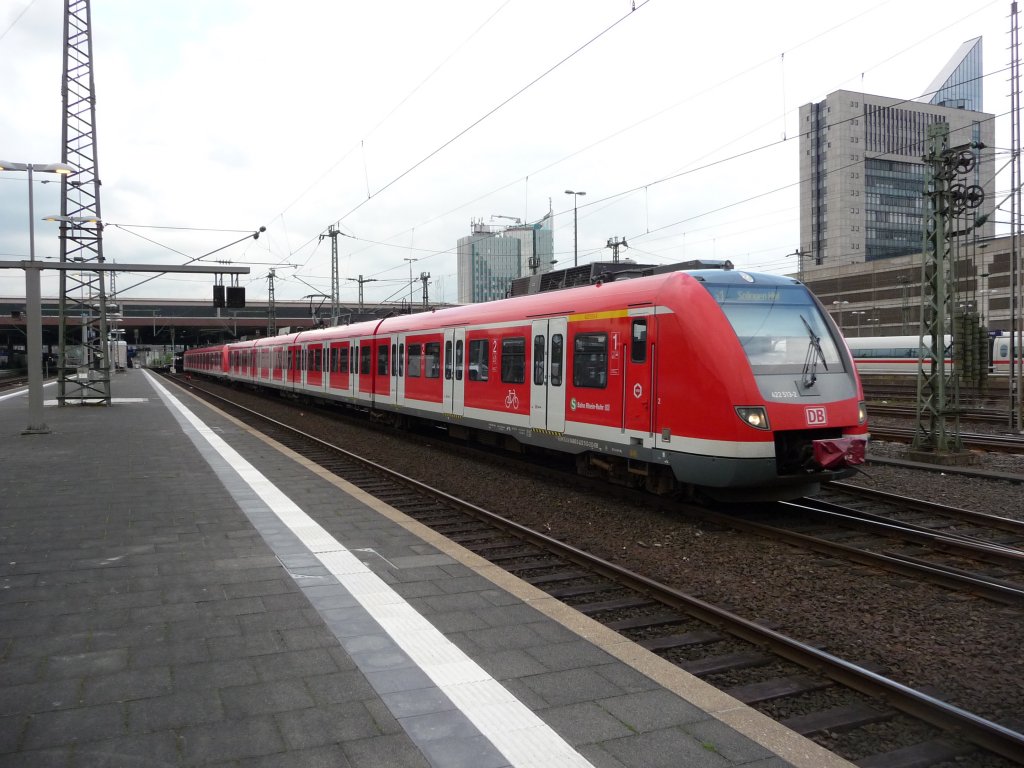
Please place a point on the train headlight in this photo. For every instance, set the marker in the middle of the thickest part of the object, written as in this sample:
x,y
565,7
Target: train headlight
x,y
862,412
754,416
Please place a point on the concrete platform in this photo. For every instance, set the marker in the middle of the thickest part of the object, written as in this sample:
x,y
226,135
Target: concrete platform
x,y
177,591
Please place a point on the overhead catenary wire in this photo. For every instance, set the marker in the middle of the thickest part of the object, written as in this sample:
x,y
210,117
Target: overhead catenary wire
x,y
707,166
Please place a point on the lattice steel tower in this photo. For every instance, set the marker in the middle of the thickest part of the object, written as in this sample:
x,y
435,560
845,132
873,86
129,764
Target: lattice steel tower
x,y
938,388
83,370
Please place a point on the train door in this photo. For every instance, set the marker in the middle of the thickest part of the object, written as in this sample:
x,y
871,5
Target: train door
x,y
354,385
364,371
638,383
337,367
397,369
314,366
280,361
384,376
547,380
294,364
455,371
264,363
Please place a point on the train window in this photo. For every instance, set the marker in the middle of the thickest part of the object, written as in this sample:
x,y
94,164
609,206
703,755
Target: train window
x,y
557,356
448,361
458,360
780,327
401,359
353,359
539,347
638,343
477,362
513,360
382,360
415,361
432,359
318,359
343,360
590,360
394,360
364,360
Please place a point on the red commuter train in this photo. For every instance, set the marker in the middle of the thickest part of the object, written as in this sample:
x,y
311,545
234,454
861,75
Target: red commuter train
x,y
723,383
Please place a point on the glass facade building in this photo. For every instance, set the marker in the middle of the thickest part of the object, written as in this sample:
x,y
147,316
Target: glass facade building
x,y
492,257
959,84
861,167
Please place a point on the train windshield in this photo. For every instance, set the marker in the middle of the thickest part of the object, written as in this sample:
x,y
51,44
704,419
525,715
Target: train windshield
x,y
780,327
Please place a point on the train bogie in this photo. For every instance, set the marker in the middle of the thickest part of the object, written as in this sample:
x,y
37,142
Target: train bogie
x,y
733,384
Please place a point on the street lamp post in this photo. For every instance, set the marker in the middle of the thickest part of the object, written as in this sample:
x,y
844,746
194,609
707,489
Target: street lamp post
x,y
840,305
411,261
33,304
858,313
575,231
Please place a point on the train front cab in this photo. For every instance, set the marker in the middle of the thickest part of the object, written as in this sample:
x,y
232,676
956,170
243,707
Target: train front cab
x,y
781,407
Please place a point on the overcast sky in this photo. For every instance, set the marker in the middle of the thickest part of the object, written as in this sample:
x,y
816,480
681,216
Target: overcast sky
x,y
400,121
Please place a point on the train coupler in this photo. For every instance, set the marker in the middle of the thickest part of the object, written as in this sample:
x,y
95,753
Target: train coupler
x,y
839,452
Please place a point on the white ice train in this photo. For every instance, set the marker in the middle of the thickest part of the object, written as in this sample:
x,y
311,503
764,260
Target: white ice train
x,y
899,354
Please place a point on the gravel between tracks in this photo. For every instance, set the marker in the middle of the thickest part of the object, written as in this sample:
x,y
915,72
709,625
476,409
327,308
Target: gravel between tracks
x,y
964,650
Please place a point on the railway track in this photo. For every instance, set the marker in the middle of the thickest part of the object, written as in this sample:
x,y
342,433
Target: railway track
x,y
805,687
970,440
12,379
981,415
953,548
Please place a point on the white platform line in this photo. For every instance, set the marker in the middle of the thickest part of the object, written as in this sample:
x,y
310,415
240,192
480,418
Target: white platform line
x,y
524,739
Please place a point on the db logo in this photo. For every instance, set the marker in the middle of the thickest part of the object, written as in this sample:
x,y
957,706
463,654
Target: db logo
x,y
816,416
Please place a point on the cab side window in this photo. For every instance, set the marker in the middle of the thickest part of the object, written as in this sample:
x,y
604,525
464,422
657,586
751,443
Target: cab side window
x,y
638,341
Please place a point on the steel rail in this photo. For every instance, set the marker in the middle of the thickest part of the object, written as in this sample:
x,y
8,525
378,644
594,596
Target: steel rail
x,y
1007,524
1003,443
872,523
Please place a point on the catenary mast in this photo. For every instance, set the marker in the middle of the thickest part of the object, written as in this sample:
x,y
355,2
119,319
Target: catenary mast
x,y
83,300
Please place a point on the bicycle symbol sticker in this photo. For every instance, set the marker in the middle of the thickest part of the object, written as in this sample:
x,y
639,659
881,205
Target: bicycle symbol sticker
x,y
512,400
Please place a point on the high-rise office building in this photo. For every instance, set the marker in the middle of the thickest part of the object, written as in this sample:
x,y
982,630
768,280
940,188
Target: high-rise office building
x,y
491,257
862,172
488,262
537,252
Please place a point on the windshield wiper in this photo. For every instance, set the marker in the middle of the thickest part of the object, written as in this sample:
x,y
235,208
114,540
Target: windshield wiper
x,y
814,354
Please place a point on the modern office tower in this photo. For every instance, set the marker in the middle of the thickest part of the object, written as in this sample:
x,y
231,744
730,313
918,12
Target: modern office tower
x,y
537,254
958,85
493,256
861,167
488,262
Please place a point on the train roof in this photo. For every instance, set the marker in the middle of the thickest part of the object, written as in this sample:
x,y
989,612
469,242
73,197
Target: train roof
x,y
887,342
570,301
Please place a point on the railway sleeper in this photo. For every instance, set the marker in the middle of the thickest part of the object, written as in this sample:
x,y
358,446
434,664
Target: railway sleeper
x,y
838,719
729,662
667,642
925,753
777,688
